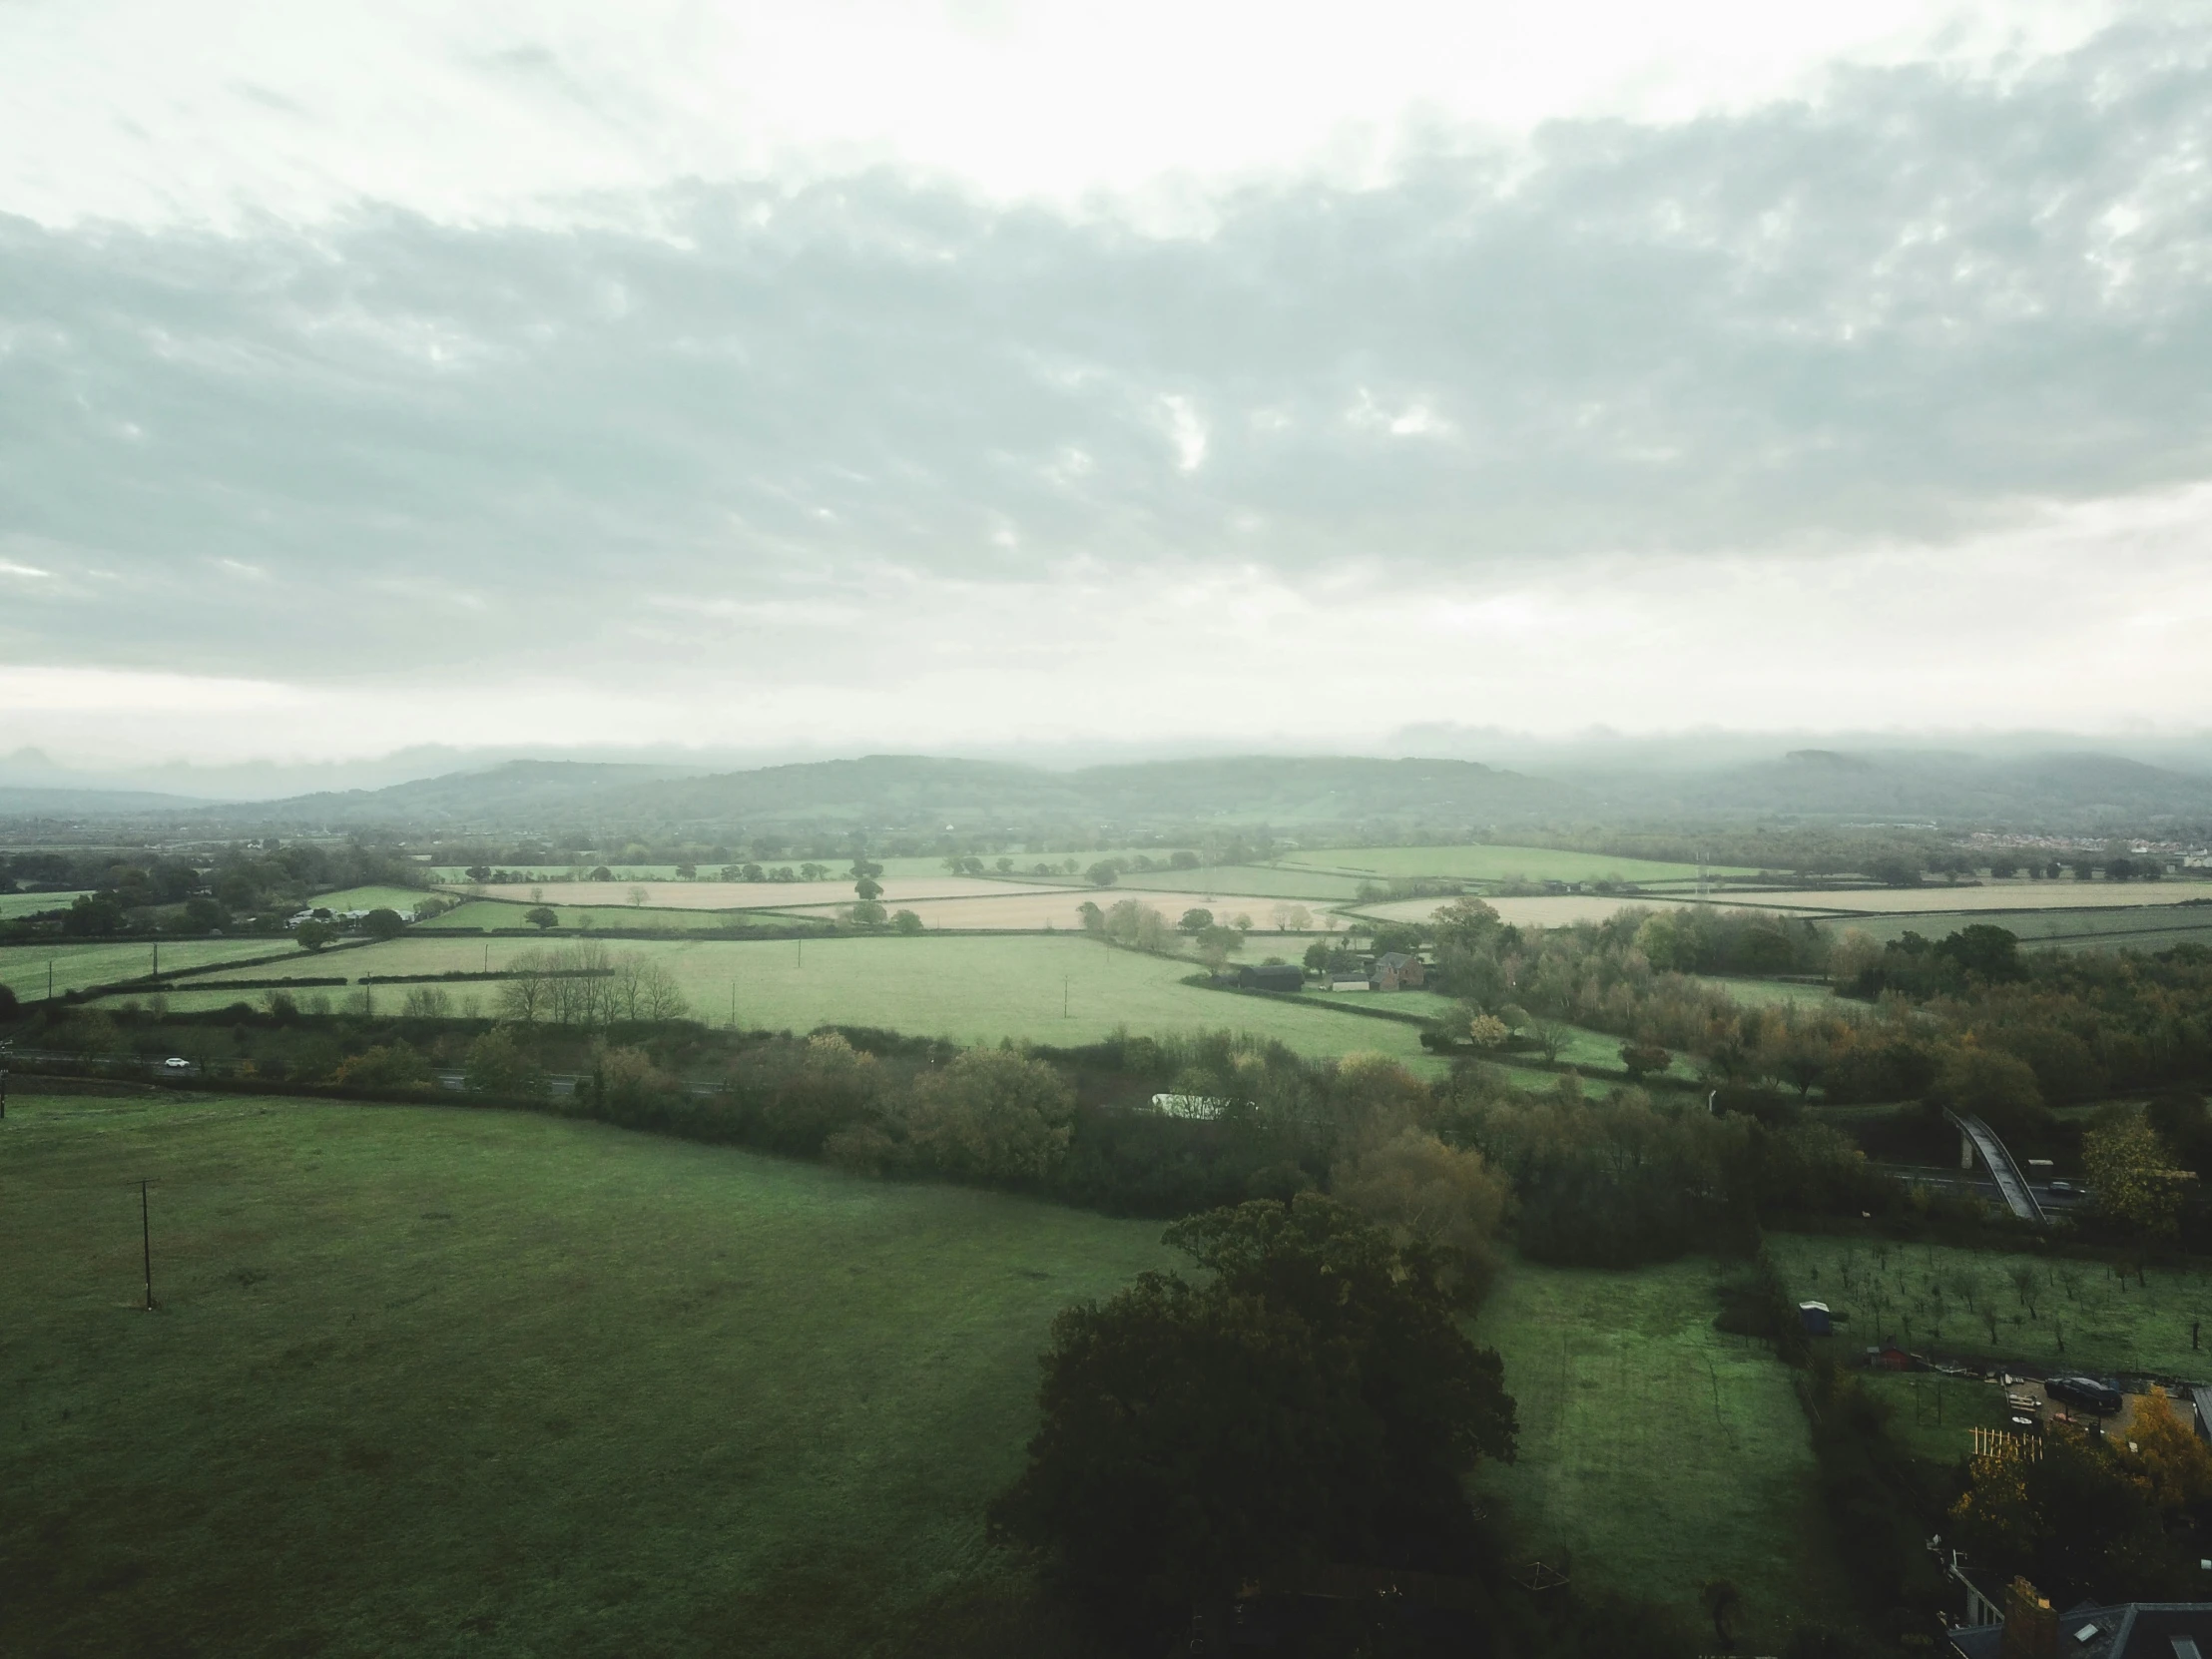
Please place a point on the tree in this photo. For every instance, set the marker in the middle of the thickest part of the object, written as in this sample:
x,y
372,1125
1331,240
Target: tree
x,y
1551,1036
1094,920
905,921
1215,943
687,873
1315,1402
638,896
2131,1173
2076,1521
866,914
1996,1087
386,1066
991,1115
1640,1061
313,935
383,925
599,873
498,1064
1194,921
868,890
1422,1191
1104,874
541,919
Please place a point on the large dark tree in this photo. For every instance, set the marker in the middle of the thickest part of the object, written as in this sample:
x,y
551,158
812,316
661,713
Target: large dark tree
x,y
1313,1402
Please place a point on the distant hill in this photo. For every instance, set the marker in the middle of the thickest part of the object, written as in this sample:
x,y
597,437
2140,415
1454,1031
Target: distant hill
x,y
2081,790
925,792
80,803
519,793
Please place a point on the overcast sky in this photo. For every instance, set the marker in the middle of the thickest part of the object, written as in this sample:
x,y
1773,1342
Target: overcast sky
x,y
911,376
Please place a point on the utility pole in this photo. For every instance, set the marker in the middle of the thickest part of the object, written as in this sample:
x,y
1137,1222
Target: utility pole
x,y
6,1048
157,958
732,1005
146,1239
1063,997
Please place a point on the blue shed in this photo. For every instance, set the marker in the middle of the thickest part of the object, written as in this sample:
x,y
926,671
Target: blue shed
x,y
1814,1316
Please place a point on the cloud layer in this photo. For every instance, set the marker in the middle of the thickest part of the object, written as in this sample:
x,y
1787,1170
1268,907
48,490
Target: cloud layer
x,y
862,435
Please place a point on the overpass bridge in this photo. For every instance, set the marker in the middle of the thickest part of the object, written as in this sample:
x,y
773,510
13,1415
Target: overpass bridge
x,y
1977,1139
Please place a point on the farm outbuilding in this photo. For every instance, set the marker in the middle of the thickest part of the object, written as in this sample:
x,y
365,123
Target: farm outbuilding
x,y
1270,977
1814,1315
1394,971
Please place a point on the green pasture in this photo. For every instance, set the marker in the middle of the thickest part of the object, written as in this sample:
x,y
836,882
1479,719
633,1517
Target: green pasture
x,y
711,869
1584,1047
443,1381
1766,993
971,989
1261,882
2115,927
13,905
1656,1449
1933,1298
403,899
1491,863
23,966
493,912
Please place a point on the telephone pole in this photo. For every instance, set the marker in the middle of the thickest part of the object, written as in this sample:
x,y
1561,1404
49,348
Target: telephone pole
x,y
145,1241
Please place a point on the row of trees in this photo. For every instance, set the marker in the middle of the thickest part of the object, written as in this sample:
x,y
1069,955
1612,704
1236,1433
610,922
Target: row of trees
x,y
588,985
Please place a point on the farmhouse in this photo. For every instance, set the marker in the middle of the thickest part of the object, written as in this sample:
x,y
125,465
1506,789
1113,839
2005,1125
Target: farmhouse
x,y
1394,971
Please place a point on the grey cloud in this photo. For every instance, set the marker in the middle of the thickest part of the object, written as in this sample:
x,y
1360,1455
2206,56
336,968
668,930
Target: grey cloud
x,y
1897,311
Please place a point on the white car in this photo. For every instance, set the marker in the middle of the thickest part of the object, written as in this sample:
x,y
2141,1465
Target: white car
x,y
177,1062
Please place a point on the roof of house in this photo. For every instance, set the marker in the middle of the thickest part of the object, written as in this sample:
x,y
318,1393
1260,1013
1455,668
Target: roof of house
x,y
2131,1630
1393,959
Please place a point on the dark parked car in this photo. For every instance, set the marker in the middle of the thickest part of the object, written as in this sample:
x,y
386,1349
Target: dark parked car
x,y
2086,1392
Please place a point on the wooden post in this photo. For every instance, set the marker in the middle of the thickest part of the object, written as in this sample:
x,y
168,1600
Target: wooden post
x,y
145,1241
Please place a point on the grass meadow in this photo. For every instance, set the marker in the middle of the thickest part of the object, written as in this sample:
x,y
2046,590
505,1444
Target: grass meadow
x,y
968,987
1656,1449
403,899
23,966
13,905
486,913
441,1381
2074,1313
1490,863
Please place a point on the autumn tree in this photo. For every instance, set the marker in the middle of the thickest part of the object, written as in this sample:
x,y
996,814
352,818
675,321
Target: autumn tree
x,y
2131,1174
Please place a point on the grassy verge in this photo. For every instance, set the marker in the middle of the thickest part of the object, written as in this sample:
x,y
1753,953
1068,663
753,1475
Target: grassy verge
x,y
1658,1450
444,1382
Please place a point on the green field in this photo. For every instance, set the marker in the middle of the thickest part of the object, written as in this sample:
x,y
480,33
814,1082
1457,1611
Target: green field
x,y
403,899
1491,863
432,1380
13,905
486,913
23,967
2131,928
711,869
1766,993
2107,1327
1270,882
968,987
1657,1450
